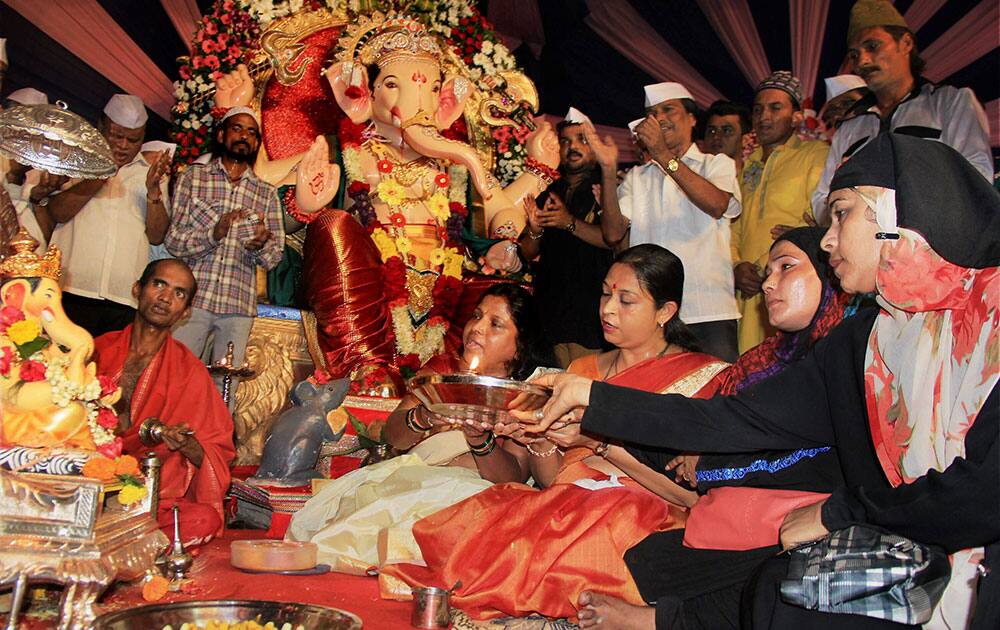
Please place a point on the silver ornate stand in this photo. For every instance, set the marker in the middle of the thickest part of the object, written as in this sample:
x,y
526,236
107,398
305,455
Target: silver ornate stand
x,y
53,530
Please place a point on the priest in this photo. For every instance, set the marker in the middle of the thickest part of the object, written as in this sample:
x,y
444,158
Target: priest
x,y
161,378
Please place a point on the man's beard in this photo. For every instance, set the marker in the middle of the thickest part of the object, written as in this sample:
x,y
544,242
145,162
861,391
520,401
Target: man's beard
x,y
247,156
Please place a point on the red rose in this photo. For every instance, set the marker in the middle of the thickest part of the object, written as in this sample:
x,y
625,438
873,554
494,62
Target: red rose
x,y
32,371
457,208
5,360
107,418
111,450
356,187
9,315
108,384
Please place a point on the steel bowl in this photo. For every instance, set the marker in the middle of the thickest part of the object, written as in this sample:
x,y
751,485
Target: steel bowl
x,y
478,398
157,616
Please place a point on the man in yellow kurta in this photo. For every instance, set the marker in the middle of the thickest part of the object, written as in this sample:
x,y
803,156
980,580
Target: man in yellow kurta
x,y
777,183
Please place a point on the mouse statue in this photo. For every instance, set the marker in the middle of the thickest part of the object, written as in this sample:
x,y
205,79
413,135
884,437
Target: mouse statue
x,y
292,446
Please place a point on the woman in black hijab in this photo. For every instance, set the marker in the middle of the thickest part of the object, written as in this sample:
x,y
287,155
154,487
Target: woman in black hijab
x,y
906,393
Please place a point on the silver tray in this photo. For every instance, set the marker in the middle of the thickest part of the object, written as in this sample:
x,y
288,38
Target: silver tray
x,y
157,616
478,398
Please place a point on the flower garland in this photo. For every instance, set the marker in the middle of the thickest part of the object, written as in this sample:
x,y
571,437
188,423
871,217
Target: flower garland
x,y
416,344
230,35
25,357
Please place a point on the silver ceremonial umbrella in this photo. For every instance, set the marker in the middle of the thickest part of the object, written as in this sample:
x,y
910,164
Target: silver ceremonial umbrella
x,y
54,139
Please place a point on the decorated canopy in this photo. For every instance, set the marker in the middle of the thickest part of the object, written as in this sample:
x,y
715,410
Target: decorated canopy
x,y
593,54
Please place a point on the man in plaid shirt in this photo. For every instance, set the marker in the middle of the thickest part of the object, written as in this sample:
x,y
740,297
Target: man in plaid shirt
x,y
226,222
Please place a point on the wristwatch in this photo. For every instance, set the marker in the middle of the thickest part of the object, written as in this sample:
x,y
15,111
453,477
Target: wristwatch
x,y
673,165
571,227
601,450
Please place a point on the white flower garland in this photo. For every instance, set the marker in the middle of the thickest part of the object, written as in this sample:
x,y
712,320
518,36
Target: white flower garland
x,y
65,392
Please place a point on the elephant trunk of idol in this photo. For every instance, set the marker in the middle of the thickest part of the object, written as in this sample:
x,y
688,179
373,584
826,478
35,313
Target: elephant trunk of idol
x,y
63,332
427,140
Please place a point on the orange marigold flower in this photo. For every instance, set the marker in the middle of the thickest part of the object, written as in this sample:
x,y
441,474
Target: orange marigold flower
x,y
127,465
100,468
154,588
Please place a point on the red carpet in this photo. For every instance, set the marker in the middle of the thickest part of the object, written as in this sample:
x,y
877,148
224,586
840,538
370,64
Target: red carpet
x,y
214,578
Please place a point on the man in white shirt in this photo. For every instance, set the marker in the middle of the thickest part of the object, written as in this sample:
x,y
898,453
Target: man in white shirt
x,y
105,227
683,200
882,50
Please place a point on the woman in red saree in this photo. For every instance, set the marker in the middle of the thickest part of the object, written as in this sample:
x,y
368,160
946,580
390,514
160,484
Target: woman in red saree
x,y
519,550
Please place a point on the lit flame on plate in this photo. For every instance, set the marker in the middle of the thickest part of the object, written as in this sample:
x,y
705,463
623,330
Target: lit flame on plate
x,y
474,363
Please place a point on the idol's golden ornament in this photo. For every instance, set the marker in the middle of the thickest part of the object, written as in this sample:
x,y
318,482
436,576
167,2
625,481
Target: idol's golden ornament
x,y
25,263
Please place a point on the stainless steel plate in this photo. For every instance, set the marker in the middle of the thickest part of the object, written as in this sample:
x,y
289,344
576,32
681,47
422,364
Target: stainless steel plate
x,y
157,616
479,398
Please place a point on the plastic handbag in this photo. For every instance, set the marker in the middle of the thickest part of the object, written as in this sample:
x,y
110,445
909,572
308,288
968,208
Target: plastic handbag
x,y
863,571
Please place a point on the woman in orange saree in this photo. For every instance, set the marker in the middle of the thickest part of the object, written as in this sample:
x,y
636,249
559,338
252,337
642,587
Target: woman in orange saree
x,y
519,550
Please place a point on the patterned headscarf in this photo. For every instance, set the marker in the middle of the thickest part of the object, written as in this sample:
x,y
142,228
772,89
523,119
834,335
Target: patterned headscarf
x,y
782,349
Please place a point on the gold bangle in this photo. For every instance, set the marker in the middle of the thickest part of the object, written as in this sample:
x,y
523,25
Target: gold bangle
x,y
534,236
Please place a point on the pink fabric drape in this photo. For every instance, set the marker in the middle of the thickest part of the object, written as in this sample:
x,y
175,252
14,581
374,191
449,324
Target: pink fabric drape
x,y
622,138
993,116
970,38
808,26
184,15
518,21
621,26
920,12
734,25
85,29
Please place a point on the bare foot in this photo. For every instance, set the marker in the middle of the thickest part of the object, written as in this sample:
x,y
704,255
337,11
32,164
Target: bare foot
x,y
601,611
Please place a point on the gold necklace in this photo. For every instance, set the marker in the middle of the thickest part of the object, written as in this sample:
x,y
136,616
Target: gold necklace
x,y
406,173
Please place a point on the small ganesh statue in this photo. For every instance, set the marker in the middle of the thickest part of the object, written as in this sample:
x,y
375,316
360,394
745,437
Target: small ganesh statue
x,y
384,275
49,392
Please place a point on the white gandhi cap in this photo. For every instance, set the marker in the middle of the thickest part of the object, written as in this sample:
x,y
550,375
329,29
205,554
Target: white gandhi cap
x,y
659,92
126,110
575,116
29,96
835,86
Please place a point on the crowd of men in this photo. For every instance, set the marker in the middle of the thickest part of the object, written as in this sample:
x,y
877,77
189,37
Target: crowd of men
x,y
718,190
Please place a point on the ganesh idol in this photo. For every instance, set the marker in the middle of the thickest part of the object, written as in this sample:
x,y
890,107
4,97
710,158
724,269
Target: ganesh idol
x,y
384,275
50,395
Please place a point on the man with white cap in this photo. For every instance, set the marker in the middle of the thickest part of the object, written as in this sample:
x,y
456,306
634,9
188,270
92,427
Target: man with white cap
x,y
226,222
842,92
683,200
564,231
882,50
105,226
776,185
